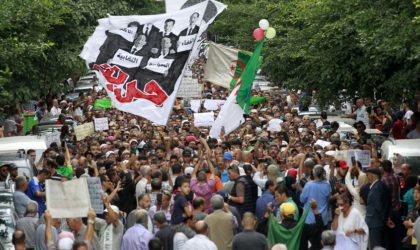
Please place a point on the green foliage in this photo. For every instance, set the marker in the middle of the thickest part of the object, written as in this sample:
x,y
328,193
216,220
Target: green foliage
x,y
329,45
40,41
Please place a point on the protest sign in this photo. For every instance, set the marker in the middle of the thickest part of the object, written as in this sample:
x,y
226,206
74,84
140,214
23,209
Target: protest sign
x,y
362,156
213,105
195,105
68,199
95,194
190,88
52,137
101,124
322,143
203,119
84,130
274,125
102,103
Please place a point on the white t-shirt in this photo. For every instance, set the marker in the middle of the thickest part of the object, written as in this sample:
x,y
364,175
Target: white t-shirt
x,y
362,115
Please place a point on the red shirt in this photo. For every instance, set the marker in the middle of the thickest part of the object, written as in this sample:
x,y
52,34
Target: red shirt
x,y
398,129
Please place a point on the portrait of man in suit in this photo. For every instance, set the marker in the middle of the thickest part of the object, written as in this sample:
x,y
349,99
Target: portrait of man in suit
x,y
193,27
167,32
114,42
166,51
153,37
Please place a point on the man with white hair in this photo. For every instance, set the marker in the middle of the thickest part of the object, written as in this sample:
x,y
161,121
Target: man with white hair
x,y
28,224
141,186
137,237
221,224
328,239
20,199
279,247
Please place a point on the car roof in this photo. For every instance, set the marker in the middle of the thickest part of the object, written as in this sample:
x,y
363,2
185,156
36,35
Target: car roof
x,y
406,147
12,144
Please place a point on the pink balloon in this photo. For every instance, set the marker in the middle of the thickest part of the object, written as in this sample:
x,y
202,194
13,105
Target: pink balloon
x,y
258,34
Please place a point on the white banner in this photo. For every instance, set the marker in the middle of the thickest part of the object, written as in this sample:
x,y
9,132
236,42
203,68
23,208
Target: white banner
x,y
125,59
203,119
101,124
68,199
149,89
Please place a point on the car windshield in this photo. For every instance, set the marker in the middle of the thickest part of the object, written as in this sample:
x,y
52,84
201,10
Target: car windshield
x,y
414,162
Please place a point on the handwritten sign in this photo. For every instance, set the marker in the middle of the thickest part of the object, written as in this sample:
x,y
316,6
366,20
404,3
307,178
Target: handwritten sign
x,y
204,119
274,125
159,65
125,59
84,130
68,199
213,105
101,124
95,194
190,88
186,42
52,137
362,156
322,143
127,33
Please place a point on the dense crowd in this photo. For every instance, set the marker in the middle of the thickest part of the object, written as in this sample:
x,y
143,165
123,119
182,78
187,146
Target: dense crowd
x,y
174,187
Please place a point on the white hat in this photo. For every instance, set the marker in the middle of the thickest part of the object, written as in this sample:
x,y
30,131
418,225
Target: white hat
x,y
133,140
107,154
103,145
114,208
65,244
188,170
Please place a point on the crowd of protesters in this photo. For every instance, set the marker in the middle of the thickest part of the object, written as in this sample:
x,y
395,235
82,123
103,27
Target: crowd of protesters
x,y
174,187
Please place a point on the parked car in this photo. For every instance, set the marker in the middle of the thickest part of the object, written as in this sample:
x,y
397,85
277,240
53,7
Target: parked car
x,y
403,151
48,124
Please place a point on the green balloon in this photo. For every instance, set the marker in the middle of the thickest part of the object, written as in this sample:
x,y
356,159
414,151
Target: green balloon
x,y
270,33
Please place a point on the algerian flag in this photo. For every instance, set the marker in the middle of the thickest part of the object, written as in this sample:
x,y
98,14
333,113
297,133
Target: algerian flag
x,y
291,237
225,65
247,78
231,115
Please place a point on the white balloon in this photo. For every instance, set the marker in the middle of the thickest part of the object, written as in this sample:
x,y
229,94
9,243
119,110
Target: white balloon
x,y
264,24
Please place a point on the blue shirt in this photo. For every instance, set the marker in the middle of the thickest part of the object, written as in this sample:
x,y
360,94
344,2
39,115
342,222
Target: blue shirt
x,y
136,237
262,203
224,176
30,192
319,191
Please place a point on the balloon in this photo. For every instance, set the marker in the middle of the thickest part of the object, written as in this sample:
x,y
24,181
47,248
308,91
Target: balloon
x,y
258,34
270,33
264,24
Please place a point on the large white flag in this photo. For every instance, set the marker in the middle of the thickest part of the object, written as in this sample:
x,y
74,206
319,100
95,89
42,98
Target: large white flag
x,y
231,116
141,59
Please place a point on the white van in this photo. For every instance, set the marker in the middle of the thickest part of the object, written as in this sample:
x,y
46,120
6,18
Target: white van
x,y
408,149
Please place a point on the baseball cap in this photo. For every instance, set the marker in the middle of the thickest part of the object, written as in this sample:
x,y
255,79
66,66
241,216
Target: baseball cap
x,y
188,170
191,138
287,209
342,164
109,153
133,140
227,156
114,208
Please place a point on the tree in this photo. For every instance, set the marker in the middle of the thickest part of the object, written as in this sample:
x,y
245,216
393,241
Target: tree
x,y
330,45
40,41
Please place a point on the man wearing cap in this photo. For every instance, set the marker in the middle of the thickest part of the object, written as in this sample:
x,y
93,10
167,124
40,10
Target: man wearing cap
x,y
227,160
378,208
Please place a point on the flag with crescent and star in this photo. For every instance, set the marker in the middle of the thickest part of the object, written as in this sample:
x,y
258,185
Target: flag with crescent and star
x,y
225,65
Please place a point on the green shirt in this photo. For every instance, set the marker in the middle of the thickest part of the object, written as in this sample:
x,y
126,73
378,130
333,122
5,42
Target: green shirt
x,y
66,171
